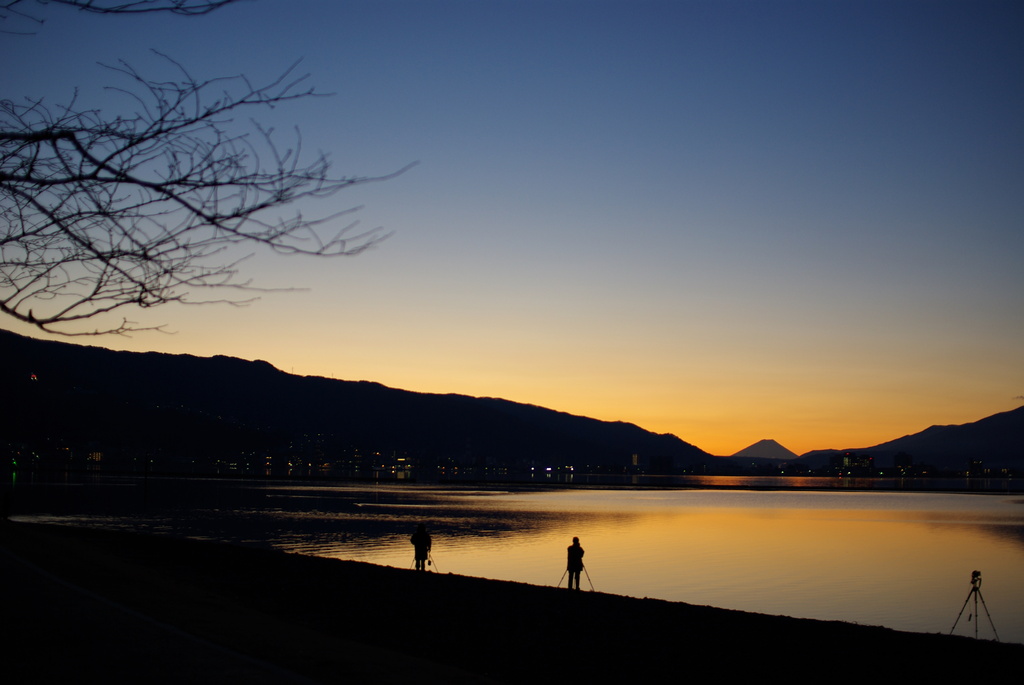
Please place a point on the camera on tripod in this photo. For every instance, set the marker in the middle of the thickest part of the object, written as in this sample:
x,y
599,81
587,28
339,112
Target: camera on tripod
x,y
976,594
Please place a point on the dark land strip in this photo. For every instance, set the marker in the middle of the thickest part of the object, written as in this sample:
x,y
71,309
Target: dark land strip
x,y
90,605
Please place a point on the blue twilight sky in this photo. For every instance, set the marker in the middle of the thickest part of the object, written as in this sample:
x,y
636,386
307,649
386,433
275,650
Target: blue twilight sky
x,y
725,220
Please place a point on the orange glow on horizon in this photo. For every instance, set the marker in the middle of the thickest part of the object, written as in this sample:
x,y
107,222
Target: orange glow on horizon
x,y
718,411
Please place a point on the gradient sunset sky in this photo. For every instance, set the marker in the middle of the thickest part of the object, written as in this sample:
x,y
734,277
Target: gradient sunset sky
x,y
724,220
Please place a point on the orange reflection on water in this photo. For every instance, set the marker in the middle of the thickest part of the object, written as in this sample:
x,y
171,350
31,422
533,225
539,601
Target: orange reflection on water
x,y
901,560
860,557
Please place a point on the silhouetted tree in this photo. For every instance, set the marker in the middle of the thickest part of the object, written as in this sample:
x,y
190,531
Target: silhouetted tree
x,y
99,214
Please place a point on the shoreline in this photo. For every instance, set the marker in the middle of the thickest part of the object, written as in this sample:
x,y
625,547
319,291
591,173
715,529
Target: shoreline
x,y
325,620
880,484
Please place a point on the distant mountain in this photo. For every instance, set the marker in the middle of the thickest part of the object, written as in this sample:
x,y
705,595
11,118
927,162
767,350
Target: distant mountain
x,y
998,441
766,449
177,408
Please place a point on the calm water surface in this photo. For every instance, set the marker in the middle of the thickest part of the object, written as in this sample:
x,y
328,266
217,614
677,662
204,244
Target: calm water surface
x,y
901,560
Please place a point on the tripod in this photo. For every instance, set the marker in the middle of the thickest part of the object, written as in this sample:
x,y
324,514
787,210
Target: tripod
x,y
976,593
570,580
588,578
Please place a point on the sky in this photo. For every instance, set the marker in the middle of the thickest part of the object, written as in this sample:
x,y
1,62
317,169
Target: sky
x,y
729,221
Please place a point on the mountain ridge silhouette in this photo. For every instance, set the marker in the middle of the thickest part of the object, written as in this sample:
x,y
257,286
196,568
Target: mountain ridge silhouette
x,y
181,406
175,403
996,440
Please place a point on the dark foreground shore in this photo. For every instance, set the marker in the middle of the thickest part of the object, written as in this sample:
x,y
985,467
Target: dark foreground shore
x,y
85,605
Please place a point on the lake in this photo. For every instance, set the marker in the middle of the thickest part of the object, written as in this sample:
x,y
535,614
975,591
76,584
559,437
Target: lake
x,y
898,559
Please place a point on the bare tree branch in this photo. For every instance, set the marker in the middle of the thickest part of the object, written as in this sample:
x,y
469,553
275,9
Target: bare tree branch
x,y
185,7
99,215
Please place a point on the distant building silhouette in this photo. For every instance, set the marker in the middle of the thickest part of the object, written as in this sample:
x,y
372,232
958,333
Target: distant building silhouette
x,y
852,464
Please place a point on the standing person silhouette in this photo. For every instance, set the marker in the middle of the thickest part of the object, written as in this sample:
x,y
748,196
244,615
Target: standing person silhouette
x,y
575,562
421,543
